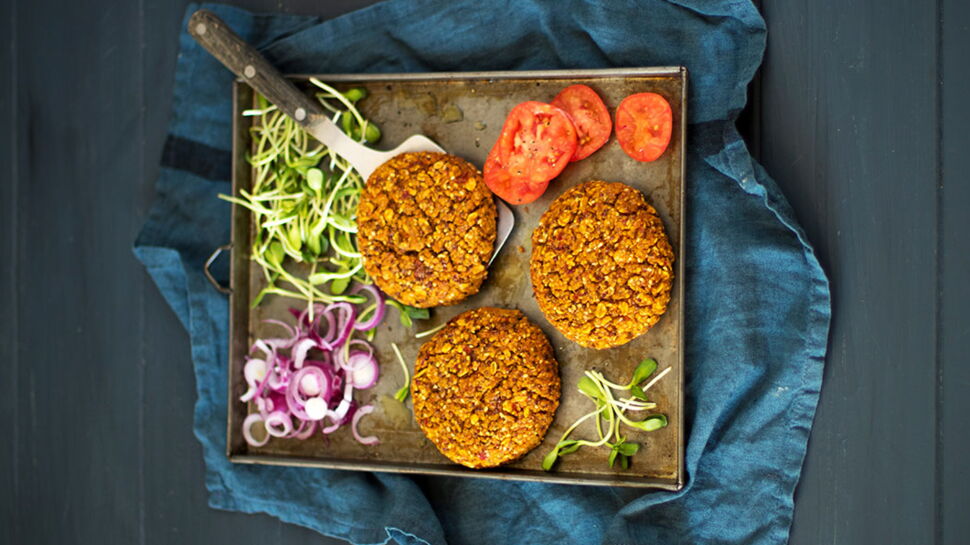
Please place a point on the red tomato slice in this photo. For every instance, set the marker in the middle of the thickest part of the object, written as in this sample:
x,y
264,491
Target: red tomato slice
x,y
589,114
643,125
536,143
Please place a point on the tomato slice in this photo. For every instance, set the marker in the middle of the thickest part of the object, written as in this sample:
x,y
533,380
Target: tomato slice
x,y
534,146
589,114
643,125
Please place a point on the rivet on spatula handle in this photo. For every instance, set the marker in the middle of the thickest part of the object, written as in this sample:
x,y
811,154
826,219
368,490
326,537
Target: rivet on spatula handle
x,y
242,59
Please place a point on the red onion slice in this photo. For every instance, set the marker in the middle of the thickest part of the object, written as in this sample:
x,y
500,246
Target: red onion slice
x,y
291,331
294,391
331,428
310,386
305,430
370,439
343,420
379,311
267,351
256,373
282,343
300,350
326,341
298,398
248,432
279,377
338,414
278,424
338,355
345,322
324,361
362,370
360,342
271,402
303,318
316,408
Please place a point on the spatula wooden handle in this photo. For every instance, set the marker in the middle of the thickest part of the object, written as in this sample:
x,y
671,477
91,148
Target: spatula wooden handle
x,y
243,60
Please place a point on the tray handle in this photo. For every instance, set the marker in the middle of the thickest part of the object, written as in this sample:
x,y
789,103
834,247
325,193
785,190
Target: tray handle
x,y
208,264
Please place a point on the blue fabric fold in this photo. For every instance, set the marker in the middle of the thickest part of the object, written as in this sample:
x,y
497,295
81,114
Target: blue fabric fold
x,y
757,303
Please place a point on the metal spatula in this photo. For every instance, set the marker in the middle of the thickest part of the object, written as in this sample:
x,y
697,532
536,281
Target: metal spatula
x,y
244,61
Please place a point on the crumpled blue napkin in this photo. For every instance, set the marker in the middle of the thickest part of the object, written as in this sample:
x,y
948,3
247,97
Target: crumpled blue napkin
x,y
757,309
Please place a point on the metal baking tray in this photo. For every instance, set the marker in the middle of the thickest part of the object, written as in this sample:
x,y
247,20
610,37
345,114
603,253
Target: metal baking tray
x,y
464,113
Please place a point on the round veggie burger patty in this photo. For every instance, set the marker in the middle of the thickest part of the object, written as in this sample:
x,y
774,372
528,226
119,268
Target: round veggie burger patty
x,y
486,387
426,228
602,267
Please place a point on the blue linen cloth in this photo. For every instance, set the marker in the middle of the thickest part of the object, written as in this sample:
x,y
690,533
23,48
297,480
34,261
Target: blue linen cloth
x,y
757,304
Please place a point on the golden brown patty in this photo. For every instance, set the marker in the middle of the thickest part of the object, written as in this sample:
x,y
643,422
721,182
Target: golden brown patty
x,y
601,264
426,228
486,387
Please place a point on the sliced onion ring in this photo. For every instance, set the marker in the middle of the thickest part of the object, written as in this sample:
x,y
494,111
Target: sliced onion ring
x,y
304,430
281,419
300,350
296,396
370,439
316,408
362,370
248,432
291,331
379,310
299,381
256,390
345,322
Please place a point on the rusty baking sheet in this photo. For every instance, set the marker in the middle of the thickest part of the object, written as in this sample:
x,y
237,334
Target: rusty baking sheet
x,y
464,112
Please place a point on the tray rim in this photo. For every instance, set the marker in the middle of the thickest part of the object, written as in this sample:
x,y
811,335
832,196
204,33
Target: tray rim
x,y
240,260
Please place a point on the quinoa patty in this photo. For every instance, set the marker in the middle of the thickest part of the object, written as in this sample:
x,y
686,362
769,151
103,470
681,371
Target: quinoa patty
x,y
486,387
426,228
601,264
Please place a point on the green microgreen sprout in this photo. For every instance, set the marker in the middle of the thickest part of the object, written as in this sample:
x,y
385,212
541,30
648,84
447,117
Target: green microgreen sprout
x,y
303,200
429,332
408,314
402,393
624,451
611,413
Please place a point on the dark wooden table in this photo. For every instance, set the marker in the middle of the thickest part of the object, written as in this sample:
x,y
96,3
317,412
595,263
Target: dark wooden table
x,y
859,113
